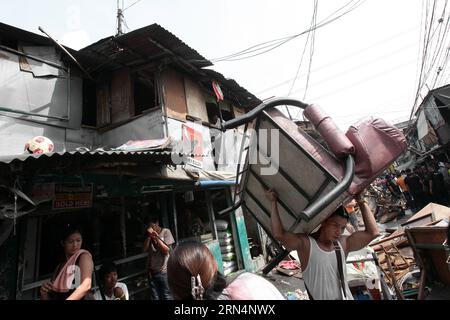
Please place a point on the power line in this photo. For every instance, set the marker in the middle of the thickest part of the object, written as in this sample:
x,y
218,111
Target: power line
x,y
424,56
313,40
380,74
438,50
362,65
439,55
136,2
278,42
442,55
279,84
304,50
310,35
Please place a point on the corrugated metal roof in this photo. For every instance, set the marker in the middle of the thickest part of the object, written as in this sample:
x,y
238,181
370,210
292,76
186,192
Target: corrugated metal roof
x,y
233,91
10,33
135,48
110,156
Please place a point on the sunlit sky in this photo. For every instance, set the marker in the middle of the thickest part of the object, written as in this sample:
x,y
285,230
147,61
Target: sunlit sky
x,y
365,63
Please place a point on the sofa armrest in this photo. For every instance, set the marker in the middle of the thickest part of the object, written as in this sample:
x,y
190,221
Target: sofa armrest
x,y
339,144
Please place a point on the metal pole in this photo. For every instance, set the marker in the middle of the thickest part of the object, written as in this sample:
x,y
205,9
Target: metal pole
x,y
212,218
220,114
68,54
4,109
175,218
119,19
123,227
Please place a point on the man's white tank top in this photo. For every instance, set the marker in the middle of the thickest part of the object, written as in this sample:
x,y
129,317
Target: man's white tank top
x,y
321,274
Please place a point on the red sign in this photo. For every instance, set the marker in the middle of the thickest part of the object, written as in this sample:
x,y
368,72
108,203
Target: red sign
x,y
217,91
194,138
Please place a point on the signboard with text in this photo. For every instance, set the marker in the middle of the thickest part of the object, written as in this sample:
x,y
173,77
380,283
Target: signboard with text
x,y
72,196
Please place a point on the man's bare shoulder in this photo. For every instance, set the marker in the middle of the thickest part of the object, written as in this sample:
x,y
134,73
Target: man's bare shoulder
x,y
302,238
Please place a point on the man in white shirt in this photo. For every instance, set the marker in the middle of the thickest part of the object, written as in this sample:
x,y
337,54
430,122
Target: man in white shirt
x,y
319,253
158,245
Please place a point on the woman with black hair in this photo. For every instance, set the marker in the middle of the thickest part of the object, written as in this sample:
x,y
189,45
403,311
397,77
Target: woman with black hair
x,y
193,274
72,278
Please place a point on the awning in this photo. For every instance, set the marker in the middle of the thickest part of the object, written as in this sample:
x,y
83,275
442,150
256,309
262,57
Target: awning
x,y
89,158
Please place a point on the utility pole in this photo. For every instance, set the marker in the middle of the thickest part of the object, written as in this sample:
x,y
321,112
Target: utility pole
x,y
119,18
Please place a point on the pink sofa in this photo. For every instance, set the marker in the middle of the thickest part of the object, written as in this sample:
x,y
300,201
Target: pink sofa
x,y
374,144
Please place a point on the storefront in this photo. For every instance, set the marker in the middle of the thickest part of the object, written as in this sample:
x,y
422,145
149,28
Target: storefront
x,y
112,207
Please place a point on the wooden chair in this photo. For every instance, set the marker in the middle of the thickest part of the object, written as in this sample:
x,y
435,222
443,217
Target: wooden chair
x,y
430,254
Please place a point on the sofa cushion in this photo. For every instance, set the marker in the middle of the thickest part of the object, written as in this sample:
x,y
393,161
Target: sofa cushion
x,y
377,144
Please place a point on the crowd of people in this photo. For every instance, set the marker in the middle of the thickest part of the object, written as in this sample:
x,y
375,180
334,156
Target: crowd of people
x,y
421,185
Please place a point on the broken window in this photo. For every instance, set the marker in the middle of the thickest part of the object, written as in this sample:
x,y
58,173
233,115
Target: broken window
x,y
144,94
227,111
89,104
443,109
214,112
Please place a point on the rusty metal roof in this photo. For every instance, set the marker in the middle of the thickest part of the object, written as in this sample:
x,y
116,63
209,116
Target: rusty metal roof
x,y
138,47
149,44
233,91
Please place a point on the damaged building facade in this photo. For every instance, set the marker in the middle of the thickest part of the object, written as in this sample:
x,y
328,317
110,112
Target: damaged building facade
x,y
116,113
429,136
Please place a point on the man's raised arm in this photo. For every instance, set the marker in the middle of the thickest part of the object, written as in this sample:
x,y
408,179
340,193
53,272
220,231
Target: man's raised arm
x,y
360,239
288,239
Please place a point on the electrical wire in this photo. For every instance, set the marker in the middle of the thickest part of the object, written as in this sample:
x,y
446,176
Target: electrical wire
x,y
357,83
313,39
303,52
437,51
310,36
136,2
439,55
243,54
424,55
279,84
359,66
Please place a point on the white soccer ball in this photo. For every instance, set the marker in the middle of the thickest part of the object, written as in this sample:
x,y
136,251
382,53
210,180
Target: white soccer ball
x,y
39,144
